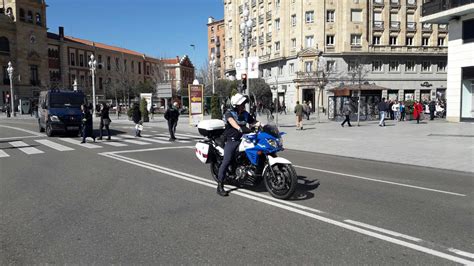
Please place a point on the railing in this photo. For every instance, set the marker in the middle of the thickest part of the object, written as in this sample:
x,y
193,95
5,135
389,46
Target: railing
x,y
436,6
241,9
378,3
442,27
427,27
407,49
261,39
378,25
264,57
269,15
241,46
254,3
411,26
261,19
269,37
394,25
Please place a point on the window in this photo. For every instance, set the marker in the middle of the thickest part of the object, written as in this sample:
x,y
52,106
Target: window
x,y
442,66
409,41
441,41
280,70
125,64
277,24
292,68
108,62
133,67
4,45
393,40
377,66
29,18
355,39
81,60
309,41
356,15
351,66
410,66
376,40
139,67
330,16
293,43
426,66
330,66
330,40
309,16
73,59
99,61
34,74
277,3
393,66
467,32
425,41
378,16
308,66
117,64
22,14
277,46
38,19
293,20
101,86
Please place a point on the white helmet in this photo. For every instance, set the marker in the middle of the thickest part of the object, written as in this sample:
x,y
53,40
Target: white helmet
x,y
238,99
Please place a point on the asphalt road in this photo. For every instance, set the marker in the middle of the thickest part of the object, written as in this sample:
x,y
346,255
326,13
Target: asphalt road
x,y
152,201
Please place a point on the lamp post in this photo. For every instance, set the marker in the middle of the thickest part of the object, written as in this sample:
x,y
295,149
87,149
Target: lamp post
x,y
212,62
93,66
321,80
246,30
12,98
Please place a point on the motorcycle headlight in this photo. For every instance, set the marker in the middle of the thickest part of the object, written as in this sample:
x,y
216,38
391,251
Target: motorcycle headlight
x,y
54,118
280,142
272,143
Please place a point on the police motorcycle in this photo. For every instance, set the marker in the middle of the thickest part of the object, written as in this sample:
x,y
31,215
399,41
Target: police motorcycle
x,y
255,160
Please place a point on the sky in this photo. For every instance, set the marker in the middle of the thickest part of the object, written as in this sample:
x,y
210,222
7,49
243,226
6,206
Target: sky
x,y
158,28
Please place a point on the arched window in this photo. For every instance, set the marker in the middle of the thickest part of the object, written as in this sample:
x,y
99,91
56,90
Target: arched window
x,y
4,45
30,17
22,14
38,19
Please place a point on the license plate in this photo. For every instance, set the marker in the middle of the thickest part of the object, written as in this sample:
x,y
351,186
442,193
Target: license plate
x,y
72,128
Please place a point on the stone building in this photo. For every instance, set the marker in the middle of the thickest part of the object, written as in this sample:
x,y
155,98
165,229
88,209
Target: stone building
x,y
383,38
216,44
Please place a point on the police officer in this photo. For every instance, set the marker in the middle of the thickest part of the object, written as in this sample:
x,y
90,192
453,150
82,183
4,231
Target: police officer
x,y
235,125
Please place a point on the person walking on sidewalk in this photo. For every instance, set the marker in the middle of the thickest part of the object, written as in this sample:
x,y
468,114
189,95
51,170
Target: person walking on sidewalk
x,y
383,108
396,110
137,119
417,111
104,120
299,110
432,107
87,129
346,110
172,115
402,111
283,107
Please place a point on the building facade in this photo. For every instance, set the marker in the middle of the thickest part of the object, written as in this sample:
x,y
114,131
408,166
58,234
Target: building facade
x,y
44,60
384,37
460,92
216,45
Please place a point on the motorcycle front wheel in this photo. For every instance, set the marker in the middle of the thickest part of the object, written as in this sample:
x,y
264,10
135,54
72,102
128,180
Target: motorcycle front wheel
x,y
281,184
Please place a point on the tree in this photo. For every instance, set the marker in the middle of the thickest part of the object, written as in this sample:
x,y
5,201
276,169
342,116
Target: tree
x,y
144,110
358,71
215,107
259,89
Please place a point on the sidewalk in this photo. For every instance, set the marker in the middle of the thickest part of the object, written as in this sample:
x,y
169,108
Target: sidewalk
x,y
436,144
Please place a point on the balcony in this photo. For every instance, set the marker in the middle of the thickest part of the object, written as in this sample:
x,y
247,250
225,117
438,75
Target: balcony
x,y
411,26
260,1
378,26
241,46
269,15
34,82
378,3
411,3
427,27
269,37
261,39
408,49
442,27
395,3
254,3
436,6
263,58
395,25
260,19
254,41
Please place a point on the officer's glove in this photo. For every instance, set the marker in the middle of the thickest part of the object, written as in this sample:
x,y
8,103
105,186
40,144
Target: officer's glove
x,y
245,130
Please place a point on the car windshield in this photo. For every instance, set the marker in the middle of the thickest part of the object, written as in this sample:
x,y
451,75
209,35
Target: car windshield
x,y
66,100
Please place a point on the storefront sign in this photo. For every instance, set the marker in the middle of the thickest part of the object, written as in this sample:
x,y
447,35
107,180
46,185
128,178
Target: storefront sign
x,y
196,97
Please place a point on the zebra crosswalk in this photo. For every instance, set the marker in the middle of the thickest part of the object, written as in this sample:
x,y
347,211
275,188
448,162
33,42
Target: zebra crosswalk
x,y
40,146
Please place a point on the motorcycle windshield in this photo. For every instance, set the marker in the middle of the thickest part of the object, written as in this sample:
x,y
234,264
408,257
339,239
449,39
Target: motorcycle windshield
x,y
271,130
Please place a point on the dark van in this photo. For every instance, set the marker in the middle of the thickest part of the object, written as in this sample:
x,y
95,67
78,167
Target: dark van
x,y
60,111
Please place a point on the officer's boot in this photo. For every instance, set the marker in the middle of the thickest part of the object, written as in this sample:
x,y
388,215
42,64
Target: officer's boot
x,y
220,190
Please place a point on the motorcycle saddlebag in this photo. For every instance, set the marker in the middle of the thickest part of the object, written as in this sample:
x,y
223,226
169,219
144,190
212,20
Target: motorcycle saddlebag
x,y
202,151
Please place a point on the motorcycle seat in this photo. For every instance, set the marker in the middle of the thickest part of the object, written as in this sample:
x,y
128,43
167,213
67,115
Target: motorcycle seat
x,y
220,141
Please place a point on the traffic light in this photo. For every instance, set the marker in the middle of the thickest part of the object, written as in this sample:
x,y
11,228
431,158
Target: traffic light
x,y
244,82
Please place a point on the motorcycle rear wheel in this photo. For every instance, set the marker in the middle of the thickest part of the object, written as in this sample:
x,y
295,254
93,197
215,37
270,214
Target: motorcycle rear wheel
x,y
215,170
283,184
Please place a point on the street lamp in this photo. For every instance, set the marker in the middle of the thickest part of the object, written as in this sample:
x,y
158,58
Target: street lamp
x,y
212,62
321,80
93,66
10,76
246,30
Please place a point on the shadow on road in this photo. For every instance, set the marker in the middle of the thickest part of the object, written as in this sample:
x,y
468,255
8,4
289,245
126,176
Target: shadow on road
x,y
304,188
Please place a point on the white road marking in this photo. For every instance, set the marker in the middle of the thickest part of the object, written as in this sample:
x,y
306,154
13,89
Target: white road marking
x,y
128,139
145,150
184,176
177,140
385,231
20,137
54,145
77,142
462,253
25,147
381,181
189,136
113,143
25,130
3,154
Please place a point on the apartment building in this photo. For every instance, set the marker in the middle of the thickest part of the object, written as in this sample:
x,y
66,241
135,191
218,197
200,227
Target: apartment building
x,y
460,89
216,45
401,57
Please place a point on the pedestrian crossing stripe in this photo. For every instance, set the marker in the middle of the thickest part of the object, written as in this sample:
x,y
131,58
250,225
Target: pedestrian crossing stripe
x,y
25,147
3,154
54,145
128,139
77,142
114,143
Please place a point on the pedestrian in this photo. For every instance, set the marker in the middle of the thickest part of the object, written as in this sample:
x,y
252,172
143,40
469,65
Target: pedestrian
x,y
310,108
8,110
383,108
390,111
299,110
87,125
306,110
172,115
283,107
119,110
236,121
432,106
402,111
137,119
417,111
396,110
206,109
346,110
152,111
104,120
